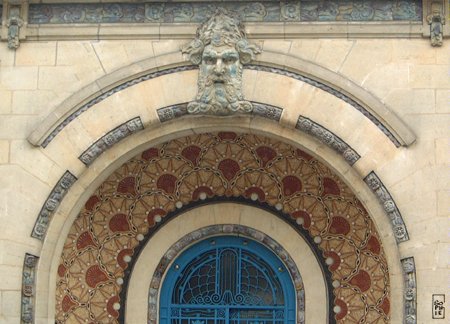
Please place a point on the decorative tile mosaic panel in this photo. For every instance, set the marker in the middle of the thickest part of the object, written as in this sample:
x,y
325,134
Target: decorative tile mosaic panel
x,y
149,189
195,12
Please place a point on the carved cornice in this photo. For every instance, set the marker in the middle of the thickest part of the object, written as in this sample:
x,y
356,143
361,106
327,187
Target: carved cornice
x,y
198,11
265,19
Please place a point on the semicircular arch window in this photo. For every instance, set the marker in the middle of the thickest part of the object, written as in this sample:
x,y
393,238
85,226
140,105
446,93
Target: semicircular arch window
x,y
227,279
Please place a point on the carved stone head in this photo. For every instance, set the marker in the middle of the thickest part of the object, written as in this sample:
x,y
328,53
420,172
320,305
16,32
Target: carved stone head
x,y
220,49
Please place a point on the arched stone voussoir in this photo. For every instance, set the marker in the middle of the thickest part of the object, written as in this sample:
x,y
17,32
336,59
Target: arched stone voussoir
x,y
276,63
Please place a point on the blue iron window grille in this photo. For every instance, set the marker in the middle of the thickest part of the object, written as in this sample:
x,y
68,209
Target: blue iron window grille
x,y
227,280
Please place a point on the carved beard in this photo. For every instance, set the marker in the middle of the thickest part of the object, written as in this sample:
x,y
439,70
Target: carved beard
x,y
219,95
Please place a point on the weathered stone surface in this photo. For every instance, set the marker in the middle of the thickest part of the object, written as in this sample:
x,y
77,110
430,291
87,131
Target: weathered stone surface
x,y
220,49
267,11
413,175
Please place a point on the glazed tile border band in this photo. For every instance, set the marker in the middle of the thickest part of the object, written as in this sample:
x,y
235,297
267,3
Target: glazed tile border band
x,y
330,139
389,206
28,288
256,11
224,229
279,71
410,292
50,205
259,109
105,142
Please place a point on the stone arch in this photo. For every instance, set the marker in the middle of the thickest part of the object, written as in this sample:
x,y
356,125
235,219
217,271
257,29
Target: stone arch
x,y
362,100
92,177
252,221
136,198
210,233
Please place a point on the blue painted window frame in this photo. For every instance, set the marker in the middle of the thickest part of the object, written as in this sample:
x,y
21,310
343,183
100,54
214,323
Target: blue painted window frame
x,y
277,267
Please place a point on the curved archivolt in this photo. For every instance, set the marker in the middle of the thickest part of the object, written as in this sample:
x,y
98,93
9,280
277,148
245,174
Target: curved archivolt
x,y
138,197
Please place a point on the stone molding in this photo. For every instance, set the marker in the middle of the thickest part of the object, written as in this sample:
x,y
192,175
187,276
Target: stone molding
x,y
105,142
410,292
54,20
334,92
360,99
107,94
225,229
51,204
259,109
28,288
389,206
330,139
197,11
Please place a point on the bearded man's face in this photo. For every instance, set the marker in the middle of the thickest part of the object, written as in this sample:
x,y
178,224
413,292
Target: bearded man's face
x,y
220,80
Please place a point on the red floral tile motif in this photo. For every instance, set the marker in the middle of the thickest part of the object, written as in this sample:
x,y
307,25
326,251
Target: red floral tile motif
x,y
138,195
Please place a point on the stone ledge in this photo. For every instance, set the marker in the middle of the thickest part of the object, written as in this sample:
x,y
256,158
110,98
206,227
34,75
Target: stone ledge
x,y
278,30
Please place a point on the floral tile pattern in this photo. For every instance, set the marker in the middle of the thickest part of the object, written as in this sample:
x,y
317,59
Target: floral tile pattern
x,y
145,191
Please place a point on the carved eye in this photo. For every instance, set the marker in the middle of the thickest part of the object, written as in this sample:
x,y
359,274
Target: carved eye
x,y
209,60
229,60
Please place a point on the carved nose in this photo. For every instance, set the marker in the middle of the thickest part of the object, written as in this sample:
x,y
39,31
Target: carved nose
x,y
219,67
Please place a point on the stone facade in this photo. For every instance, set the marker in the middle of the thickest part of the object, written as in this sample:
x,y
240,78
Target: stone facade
x,y
361,96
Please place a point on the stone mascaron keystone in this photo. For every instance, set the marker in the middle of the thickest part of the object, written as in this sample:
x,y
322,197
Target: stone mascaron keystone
x,y
220,48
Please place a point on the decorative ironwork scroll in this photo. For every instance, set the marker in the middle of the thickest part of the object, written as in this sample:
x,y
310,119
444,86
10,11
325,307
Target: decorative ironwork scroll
x,y
225,229
230,279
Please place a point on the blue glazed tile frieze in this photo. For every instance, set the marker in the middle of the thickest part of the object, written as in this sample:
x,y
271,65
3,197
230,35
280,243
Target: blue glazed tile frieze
x,y
196,12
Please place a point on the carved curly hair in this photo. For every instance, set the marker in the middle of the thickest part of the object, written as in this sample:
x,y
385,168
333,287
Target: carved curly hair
x,y
223,28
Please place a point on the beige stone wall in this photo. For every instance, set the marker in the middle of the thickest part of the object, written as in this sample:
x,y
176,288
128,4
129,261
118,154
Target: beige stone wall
x,y
405,80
